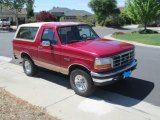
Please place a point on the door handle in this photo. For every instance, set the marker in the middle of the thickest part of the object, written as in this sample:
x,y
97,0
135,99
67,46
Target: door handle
x,y
39,46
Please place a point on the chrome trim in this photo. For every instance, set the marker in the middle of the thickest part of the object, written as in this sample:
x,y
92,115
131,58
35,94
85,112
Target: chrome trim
x,y
103,75
79,65
120,55
103,81
124,53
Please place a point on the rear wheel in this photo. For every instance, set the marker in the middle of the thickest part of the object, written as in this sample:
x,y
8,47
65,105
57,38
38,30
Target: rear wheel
x,y
81,82
30,69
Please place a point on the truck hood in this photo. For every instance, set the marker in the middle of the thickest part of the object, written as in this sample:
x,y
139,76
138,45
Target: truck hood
x,y
101,47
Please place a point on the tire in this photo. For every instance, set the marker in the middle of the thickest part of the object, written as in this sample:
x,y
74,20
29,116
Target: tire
x,y
81,82
30,69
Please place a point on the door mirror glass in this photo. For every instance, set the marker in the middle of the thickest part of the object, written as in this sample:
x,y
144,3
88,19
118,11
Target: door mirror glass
x,y
46,43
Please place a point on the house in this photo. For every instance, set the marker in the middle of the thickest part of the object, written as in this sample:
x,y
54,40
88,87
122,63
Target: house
x,y
69,14
10,15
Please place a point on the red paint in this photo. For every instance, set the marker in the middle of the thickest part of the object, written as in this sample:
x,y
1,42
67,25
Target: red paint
x,y
83,53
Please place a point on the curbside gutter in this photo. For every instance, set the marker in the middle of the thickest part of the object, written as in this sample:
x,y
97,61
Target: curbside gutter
x,y
135,43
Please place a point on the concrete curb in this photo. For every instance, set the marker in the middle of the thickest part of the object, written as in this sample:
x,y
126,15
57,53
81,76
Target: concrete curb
x,y
135,43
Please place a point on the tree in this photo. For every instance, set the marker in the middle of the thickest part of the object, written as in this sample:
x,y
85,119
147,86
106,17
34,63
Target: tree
x,y
91,20
143,11
1,6
45,16
103,8
29,8
16,6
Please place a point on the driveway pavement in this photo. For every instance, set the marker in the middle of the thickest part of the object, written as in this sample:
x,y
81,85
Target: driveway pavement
x,y
61,102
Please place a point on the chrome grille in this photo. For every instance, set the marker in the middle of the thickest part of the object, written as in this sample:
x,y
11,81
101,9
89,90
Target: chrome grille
x,y
123,58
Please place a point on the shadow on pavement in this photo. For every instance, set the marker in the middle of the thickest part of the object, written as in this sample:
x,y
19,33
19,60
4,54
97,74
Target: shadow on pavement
x,y
132,87
54,77
126,93
135,89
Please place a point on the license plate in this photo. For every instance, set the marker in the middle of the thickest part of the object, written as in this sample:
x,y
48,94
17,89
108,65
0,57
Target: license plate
x,y
126,74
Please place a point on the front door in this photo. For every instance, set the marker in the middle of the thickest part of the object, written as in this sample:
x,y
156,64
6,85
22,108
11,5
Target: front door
x,y
48,54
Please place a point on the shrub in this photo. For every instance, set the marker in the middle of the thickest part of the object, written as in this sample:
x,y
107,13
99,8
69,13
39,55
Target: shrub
x,y
118,33
147,31
45,16
91,20
113,21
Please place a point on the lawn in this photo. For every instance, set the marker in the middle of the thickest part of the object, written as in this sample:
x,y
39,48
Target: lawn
x,y
150,39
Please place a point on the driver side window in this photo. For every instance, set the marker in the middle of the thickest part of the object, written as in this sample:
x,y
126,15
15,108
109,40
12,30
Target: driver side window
x,y
49,35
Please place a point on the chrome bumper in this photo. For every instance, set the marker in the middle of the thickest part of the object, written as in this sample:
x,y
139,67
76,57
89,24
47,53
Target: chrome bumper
x,y
113,76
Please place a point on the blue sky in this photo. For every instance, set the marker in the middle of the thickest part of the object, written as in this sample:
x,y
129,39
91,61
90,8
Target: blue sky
x,y
72,4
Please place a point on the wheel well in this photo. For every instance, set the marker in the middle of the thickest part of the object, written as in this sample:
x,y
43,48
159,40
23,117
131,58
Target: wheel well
x,y
73,67
25,55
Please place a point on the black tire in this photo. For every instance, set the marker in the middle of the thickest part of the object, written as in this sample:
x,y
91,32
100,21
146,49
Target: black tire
x,y
33,68
90,87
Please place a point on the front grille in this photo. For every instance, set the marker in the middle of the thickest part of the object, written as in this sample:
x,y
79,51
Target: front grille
x,y
123,58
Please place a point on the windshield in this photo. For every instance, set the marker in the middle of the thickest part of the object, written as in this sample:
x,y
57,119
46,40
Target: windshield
x,y
70,34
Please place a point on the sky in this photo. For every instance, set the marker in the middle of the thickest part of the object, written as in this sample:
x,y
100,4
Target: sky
x,y
41,5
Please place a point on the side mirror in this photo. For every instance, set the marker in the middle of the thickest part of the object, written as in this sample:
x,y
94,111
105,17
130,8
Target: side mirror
x,y
46,43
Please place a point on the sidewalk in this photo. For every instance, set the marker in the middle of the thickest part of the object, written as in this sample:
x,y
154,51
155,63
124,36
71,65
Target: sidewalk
x,y
133,26
61,102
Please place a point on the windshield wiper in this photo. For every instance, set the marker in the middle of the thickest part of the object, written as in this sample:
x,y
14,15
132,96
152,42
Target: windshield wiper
x,y
90,38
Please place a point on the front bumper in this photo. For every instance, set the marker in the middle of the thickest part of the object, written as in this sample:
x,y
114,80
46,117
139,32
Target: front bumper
x,y
101,79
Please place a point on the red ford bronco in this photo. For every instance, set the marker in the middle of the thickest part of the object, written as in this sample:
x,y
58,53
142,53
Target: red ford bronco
x,y
73,49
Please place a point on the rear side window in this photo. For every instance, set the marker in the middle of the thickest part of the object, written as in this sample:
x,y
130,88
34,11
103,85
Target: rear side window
x,y
28,33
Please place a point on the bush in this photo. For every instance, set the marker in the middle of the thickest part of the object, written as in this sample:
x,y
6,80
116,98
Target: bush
x,y
62,19
113,21
45,16
146,32
32,19
118,33
91,20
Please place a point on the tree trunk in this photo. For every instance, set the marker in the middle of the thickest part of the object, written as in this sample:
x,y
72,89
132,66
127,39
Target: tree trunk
x,y
1,10
145,26
16,16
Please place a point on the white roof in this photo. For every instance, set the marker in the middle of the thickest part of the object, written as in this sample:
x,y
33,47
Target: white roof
x,y
39,24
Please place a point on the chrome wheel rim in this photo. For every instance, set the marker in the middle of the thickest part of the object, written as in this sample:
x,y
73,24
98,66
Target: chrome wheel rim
x,y
81,83
27,67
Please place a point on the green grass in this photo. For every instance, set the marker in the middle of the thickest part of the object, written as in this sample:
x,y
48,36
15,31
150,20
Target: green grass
x,y
150,39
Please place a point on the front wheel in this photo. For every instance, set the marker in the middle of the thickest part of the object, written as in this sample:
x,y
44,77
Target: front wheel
x,y
30,69
81,82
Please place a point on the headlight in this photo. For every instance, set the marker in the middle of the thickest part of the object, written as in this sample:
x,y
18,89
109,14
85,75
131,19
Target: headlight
x,y
103,63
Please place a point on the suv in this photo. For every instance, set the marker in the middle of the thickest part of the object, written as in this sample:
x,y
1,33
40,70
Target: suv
x,y
4,22
73,49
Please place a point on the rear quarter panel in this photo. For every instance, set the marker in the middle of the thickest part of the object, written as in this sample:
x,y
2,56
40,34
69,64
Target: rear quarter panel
x,y
21,46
